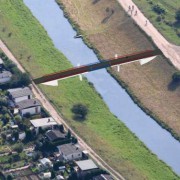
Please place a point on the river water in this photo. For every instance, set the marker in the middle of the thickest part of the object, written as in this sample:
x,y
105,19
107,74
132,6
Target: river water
x,y
158,140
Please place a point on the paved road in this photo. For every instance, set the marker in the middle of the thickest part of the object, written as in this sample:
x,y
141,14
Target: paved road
x,y
171,51
49,107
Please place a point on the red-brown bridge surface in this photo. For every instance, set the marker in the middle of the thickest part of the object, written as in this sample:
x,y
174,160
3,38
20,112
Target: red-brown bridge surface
x,y
95,66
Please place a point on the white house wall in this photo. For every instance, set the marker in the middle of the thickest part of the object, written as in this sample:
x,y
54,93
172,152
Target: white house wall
x,y
31,110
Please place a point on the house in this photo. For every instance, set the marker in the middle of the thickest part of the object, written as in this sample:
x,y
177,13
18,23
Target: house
x,y
46,163
47,175
55,135
31,106
70,152
103,177
44,123
20,94
86,165
5,76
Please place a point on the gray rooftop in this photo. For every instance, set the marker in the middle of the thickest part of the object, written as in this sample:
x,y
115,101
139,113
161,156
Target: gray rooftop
x,y
28,103
68,149
86,165
5,74
20,92
49,121
53,135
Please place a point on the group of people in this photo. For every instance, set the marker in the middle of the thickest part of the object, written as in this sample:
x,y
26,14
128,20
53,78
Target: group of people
x,y
131,10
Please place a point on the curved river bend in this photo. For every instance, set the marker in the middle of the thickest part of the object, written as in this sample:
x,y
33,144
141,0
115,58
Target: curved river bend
x,y
158,140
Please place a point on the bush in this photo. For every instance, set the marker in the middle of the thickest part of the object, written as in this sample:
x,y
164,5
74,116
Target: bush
x,y
159,9
176,76
177,16
18,148
80,111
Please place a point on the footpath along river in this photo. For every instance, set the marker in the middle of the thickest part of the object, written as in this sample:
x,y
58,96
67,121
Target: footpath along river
x,y
158,140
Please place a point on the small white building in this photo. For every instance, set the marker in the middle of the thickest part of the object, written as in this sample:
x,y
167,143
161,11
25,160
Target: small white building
x,y
86,165
22,135
20,94
70,152
31,106
5,76
46,163
43,123
47,175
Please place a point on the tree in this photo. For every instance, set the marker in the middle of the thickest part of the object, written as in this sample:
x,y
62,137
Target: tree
x,y
18,148
176,76
177,16
80,111
53,175
68,134
9,177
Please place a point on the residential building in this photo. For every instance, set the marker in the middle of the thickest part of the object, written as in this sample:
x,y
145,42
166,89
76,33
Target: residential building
x,y
31,106
55,135
86,165
20,94
70,152
46,163
5,76
44,123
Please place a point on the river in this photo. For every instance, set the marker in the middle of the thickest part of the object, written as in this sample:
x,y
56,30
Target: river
x,y
157,139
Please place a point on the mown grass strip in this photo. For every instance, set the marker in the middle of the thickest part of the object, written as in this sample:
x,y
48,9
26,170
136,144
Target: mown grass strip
x,y
103,131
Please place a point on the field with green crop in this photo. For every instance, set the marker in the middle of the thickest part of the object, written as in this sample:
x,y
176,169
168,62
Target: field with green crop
x,y
101,130
162,14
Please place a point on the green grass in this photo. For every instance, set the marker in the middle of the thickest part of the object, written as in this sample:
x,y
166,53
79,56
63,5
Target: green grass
x,y
103,131
171,7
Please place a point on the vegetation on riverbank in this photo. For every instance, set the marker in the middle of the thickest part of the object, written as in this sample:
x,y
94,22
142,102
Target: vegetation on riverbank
x,y
101,130
164,15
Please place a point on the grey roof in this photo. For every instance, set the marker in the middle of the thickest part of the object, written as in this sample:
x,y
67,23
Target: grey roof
x,y
5,74
53,135
68,149
49,121
86,165
28,103
20,92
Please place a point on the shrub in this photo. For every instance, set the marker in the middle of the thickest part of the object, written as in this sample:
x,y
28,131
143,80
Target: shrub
x,y
18,148
177,15
176,76
159,9
80,111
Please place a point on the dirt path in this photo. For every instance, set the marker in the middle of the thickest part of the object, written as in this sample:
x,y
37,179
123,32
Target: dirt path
x,y
171,51
49,107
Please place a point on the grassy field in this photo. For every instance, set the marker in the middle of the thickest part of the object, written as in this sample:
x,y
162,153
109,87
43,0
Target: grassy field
x,y
151,84
165,23
101,130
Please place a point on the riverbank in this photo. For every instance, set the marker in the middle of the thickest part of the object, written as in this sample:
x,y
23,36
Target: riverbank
x,y
155,76
162,15
105,133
